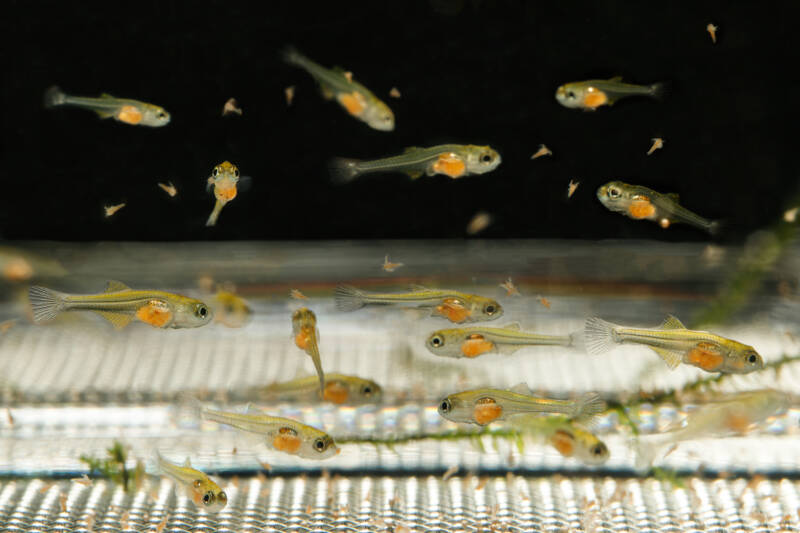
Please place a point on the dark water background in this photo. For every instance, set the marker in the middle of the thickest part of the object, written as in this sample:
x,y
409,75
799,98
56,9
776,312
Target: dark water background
x,y
469,72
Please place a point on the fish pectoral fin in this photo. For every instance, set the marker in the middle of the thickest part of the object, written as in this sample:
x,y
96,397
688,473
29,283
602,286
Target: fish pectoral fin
x,y
673,359
672,322
414,174
416,287
187,463
616,79
103,114
521,388
514,325
411,149
505,348
116,286
118,320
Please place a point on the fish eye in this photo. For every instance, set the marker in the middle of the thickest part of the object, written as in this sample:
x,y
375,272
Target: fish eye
x,y
613,192
208,498
201,311
215,172
320,445
487,158
598,450
752,358
490,309
235,172
445,406
222,498
366,390
570,94
437,341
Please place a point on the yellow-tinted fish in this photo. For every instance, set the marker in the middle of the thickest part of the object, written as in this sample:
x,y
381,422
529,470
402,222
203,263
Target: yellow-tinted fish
x,y
591,94
478,340
223,178
124,110
356,99
675,345
569,438
452,160
306,337
231,310
641,203
455,306
201,490
339,389
282,434
732,414
482,406
120,304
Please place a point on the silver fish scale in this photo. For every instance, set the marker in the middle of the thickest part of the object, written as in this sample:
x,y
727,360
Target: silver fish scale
x,y
512,503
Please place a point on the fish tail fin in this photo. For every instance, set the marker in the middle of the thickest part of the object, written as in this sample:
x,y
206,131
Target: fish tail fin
x,y
659,90
212,218
54,96
645,450
343,170
45,303
587,406
190,406
598,336
348,298
315,358
575,340
292,56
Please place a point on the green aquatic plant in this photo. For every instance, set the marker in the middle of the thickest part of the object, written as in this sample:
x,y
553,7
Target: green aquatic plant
x,y
113,467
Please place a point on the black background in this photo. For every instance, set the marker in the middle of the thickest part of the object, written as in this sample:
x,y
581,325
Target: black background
x,y
469,72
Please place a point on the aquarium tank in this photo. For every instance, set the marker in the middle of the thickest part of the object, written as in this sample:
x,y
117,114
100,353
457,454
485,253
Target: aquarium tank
x,y
447,265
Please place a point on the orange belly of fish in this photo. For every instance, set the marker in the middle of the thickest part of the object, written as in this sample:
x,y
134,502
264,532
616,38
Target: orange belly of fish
x,y
303,338
641,209
738,422
353,102
486,411
705,356
225,194
450,164
287,443
129,115
563,443
594,98
476,345
453,310
335,392
155,313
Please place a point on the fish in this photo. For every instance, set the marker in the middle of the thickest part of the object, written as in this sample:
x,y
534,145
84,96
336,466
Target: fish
x,y
231,107
479,340
592,94
388,266
223,179
131,112
306,337
110,210
339,389
568,437
169,188
641,203
452,160
542,151
356,99
712,31
675,345
453,305
231,310
730,414
199,487
658,144
282,434
120,304
483,406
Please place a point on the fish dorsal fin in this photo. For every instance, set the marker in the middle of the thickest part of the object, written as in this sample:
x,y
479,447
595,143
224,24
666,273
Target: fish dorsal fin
x,y
521,388
118,320
116,286
411,149
674,196
616,79
106,95
673,359
672,323
514,325
417,287
187,463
